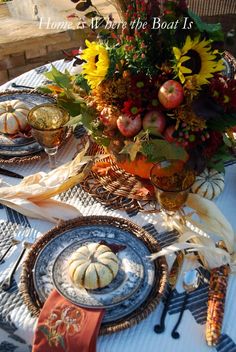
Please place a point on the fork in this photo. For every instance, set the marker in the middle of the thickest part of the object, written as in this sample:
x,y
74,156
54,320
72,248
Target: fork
x,y
18,238
30,235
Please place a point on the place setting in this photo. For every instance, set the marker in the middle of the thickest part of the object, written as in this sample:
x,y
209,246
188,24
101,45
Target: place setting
x,y
19,142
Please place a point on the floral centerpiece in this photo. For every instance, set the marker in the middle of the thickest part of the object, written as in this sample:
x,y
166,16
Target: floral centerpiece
x,y
155,89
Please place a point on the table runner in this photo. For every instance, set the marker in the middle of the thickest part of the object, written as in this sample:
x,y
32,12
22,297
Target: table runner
x,y
16,322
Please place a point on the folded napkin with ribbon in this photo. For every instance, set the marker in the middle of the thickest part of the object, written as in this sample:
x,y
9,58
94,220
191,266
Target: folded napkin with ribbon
x,y
63,326
33,195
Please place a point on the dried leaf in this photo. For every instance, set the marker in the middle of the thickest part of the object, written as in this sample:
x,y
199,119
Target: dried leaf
x,y
113,246
132,148
102,168
142,192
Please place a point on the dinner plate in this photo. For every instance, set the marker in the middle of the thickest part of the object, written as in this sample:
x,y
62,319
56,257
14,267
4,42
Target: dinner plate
x,y
126,282
21,147
43,269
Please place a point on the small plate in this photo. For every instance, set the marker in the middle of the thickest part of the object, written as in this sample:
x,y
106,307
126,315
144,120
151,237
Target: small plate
x,y
21,147
127,281
43,268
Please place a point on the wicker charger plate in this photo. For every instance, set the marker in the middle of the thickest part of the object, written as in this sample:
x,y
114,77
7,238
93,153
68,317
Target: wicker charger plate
x,y
31,297
117,189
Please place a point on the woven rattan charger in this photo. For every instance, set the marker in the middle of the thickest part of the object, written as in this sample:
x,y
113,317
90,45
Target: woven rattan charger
x,y
117,189
30,295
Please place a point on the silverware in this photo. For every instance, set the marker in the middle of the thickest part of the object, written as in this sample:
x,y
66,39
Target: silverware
x,y
173,277
14,85
191,282
14,242
19,236
9,173
30,236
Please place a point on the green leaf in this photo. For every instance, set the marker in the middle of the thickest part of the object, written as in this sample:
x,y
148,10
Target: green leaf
x,y
159,149
82,83
44,330
83,6
214,30
62,342
227,141
74,121
73,107
44,89
91,14
218,160
226,121
63,80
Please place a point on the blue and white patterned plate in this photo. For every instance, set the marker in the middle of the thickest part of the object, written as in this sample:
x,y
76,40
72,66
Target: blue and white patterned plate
x,y
127,281
20,147
43,270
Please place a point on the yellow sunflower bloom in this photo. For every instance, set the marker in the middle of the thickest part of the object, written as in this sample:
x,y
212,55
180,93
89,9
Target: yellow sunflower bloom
x,y
97,63
196,59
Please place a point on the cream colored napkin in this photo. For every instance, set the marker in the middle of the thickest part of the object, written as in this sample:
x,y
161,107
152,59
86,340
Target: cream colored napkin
x,y
200,230
33,196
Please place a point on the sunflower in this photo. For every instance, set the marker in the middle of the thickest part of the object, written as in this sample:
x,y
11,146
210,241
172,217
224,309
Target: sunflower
x,y
97,63
196,59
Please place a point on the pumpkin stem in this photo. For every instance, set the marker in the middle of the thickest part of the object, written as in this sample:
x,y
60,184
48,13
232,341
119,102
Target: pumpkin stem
x,y
9,108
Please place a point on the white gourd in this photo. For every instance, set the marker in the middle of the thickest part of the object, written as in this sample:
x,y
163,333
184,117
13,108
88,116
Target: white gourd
x,y
93,266
13,116
209,184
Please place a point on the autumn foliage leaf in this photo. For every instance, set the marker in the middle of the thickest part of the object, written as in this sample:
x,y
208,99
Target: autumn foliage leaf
x,y
102,168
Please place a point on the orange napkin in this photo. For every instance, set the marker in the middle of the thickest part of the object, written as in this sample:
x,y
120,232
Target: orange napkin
x,y
63,326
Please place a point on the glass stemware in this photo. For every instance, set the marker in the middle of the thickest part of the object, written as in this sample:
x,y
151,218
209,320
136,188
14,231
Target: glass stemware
x,y
172,181
48,128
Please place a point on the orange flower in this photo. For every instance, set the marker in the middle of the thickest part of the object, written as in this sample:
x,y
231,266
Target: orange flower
x,y
55,89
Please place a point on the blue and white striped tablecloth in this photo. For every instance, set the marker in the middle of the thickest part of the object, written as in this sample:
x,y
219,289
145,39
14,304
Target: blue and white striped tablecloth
x,y
16,323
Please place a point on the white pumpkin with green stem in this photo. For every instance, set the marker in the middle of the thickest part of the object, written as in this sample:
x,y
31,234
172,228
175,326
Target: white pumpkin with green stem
x,y
93,266
209,184
13,116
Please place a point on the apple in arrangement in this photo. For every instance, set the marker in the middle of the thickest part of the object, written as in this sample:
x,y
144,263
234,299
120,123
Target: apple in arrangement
x,y
107,118
155,122
168,134
171,94
129,126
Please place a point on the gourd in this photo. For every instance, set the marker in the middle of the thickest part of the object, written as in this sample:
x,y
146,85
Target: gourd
x,y
93,266
13,116
209,184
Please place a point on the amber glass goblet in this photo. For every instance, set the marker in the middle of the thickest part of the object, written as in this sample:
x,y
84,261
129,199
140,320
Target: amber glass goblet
x,y
48,128
172,181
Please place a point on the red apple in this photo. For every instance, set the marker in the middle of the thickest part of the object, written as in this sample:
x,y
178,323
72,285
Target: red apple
x,y
129,126
155,122
171,94
168,134
107,117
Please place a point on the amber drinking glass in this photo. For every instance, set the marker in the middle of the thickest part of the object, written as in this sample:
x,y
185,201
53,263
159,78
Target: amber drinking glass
x,y
48,128
172,181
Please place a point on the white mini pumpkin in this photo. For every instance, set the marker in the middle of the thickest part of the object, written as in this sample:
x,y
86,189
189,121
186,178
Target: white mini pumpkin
x,y
93,266
13,116
209,184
